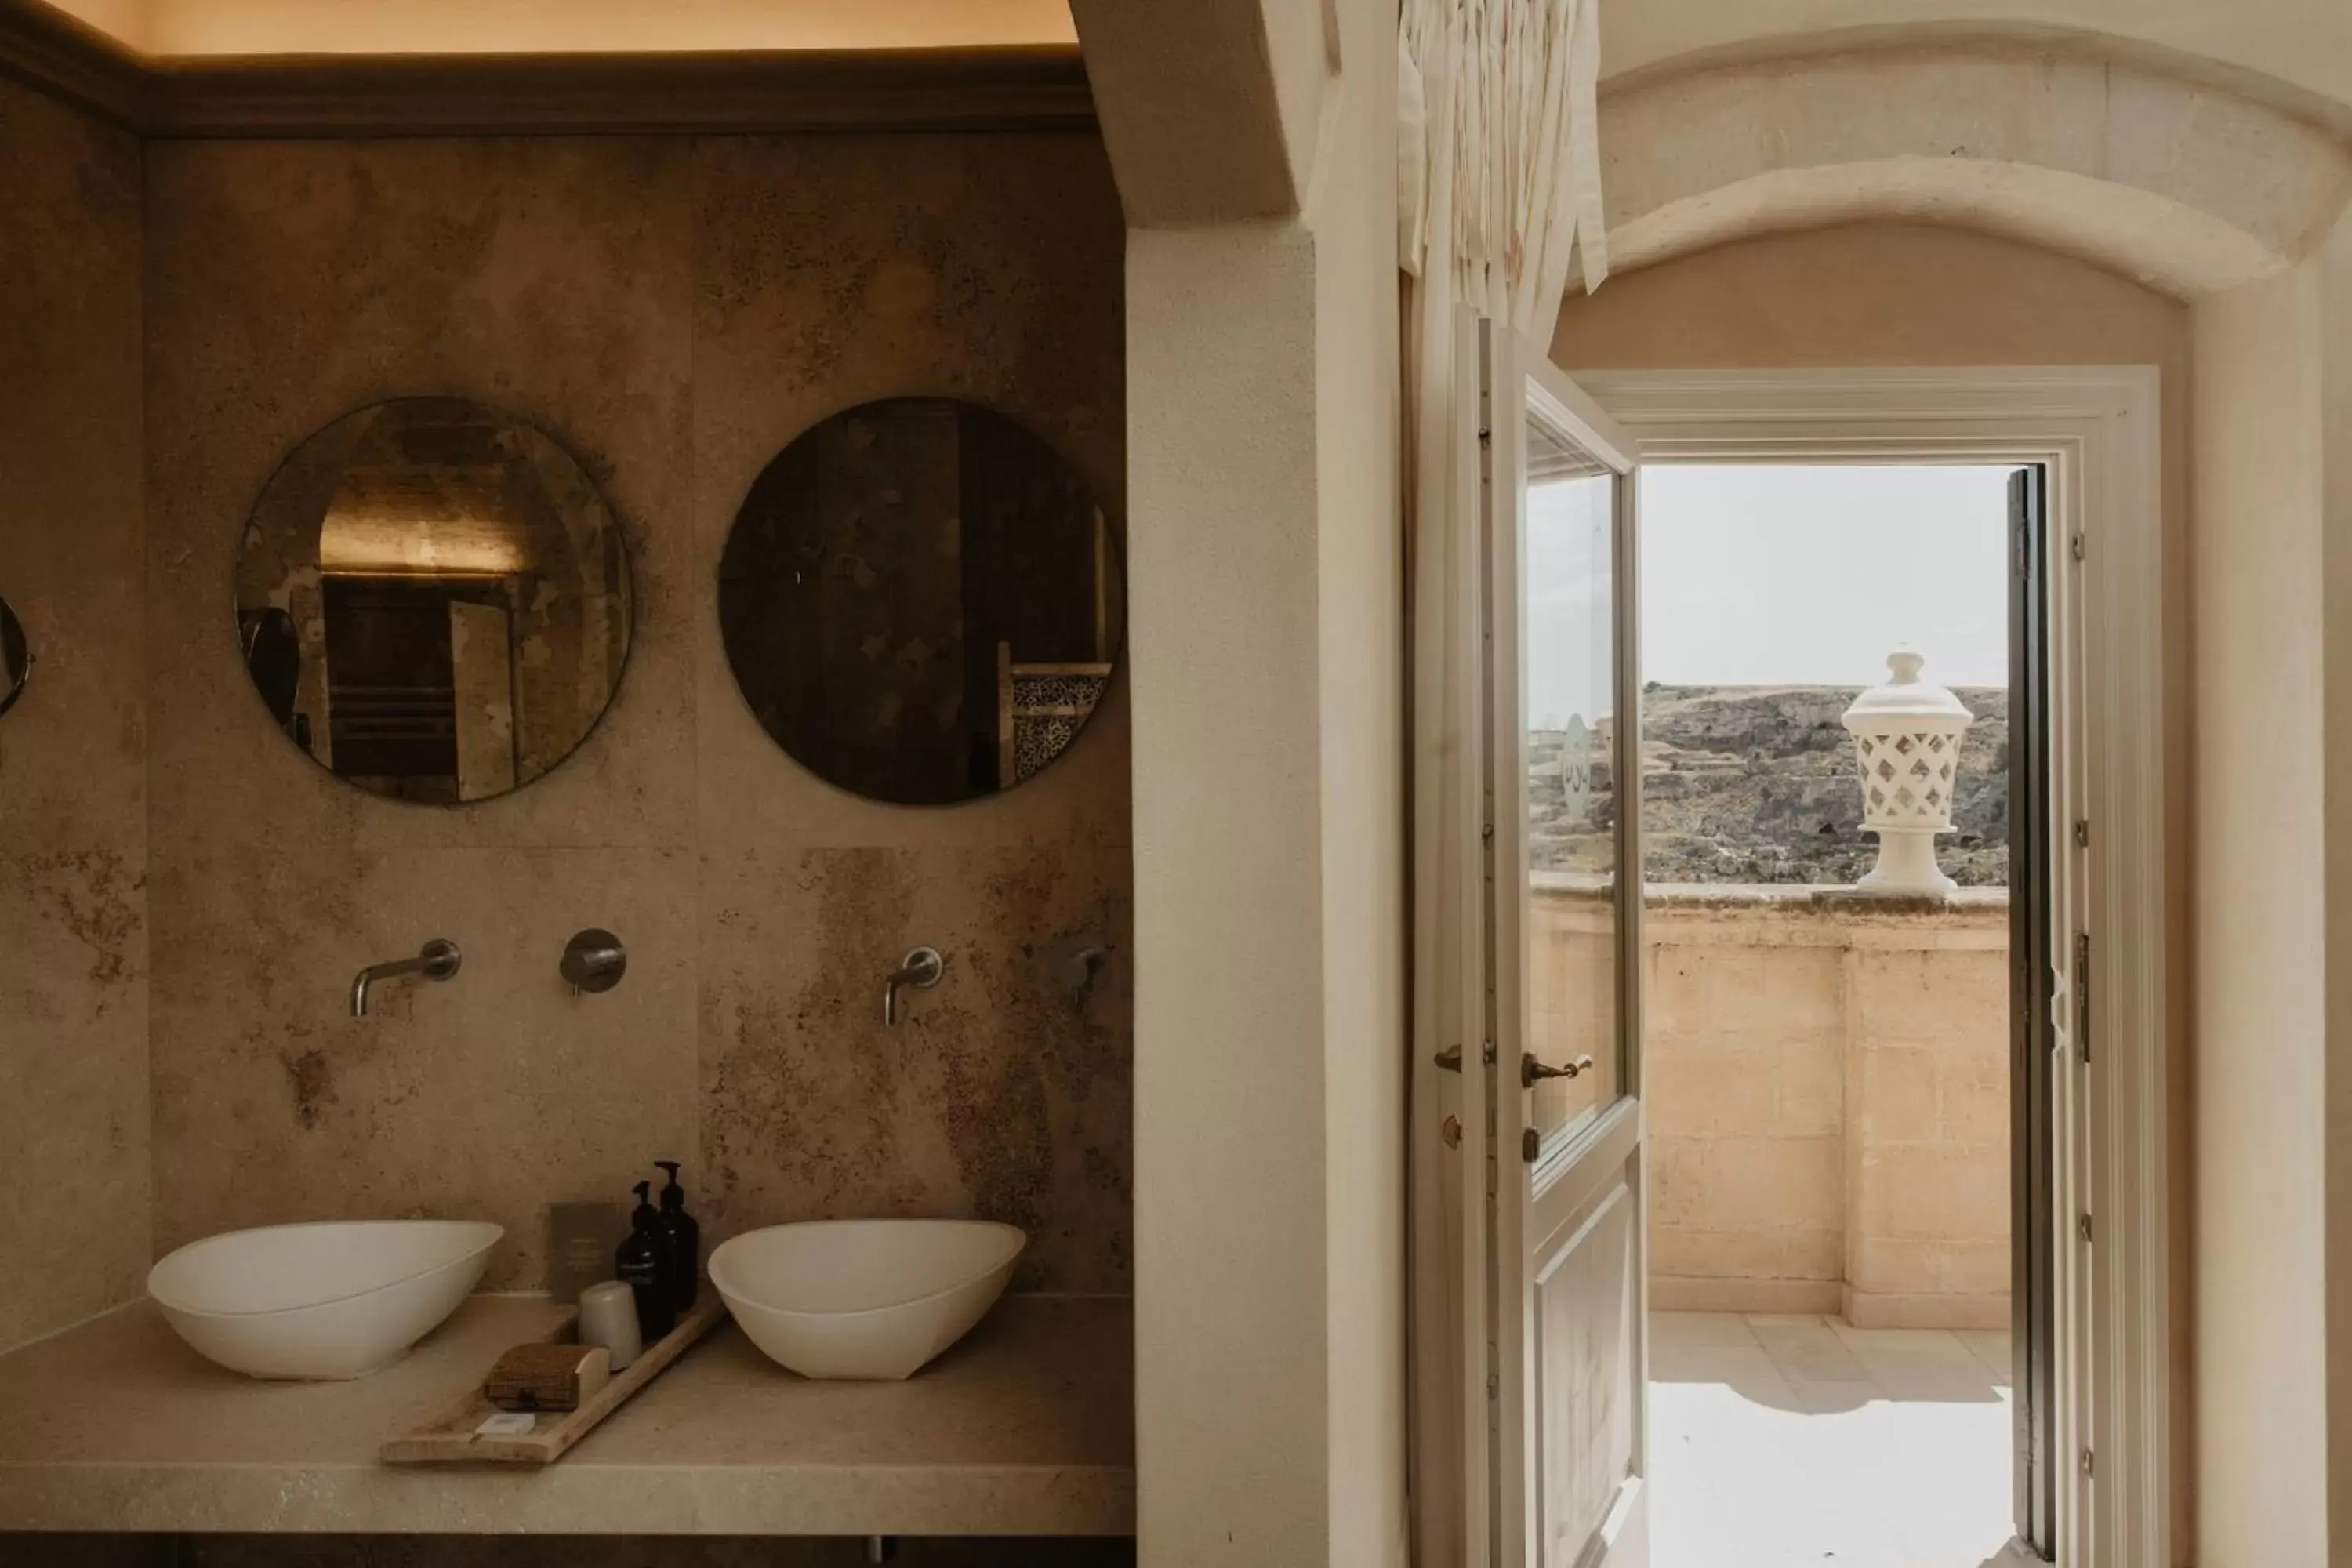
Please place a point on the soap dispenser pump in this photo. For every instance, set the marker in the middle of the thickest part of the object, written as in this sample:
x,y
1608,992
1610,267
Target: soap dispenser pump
x,y
682,1239
638,1263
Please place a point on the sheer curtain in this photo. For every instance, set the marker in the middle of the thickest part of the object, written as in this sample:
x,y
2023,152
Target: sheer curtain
x,y
1499,173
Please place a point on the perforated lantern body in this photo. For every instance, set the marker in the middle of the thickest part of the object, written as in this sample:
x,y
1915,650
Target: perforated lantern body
x,y
1906,737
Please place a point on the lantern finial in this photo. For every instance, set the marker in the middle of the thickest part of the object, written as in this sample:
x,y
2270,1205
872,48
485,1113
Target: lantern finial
x,y
1906,736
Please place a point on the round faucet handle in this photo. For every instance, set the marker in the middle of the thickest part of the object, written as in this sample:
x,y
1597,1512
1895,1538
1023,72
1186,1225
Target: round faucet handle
x,y
921,968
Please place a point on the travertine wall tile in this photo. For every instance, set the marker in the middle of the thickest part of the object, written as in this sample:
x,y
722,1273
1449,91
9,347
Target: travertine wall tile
x,y
292,282
558,1551
674,311
1003,1092
834,270
649,1552
73,800
486,1097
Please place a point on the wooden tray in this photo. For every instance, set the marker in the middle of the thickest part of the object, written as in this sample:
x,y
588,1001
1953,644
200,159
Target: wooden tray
x,y
451,1438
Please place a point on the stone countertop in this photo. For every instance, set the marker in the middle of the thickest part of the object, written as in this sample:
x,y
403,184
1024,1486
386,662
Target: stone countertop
x,y
1025,1428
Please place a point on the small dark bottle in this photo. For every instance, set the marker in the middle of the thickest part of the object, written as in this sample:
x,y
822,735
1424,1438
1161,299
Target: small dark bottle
x,y
681,1242
638,1265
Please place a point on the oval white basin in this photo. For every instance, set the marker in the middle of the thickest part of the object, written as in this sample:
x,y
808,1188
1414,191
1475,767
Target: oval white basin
x,y
327,1300
864,1298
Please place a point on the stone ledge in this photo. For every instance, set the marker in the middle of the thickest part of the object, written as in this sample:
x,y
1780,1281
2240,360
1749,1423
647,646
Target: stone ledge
x,y
1025,1429
1972,904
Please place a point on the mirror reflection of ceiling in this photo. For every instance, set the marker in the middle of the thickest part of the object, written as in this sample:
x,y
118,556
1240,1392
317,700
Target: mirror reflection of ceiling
x,y
171,28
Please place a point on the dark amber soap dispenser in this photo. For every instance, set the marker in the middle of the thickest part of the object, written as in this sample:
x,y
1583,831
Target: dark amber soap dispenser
x,y
639,1264
681,1243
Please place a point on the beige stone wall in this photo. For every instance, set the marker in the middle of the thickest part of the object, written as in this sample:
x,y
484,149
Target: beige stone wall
x,y
1827,1083
73,804
674,311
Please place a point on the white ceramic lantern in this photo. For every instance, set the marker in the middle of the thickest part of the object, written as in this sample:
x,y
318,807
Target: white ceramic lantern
x,y
1906,735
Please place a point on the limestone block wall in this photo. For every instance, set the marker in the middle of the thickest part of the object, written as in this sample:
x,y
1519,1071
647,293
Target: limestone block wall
x,y
1827,1083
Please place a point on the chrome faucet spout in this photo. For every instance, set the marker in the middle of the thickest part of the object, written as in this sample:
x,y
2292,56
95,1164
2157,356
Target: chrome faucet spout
x,y
921,969
437,960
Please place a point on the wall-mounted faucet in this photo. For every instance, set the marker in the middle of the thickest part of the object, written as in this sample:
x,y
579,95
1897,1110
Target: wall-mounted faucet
x,y
1077,964
594,960
920,968
437,960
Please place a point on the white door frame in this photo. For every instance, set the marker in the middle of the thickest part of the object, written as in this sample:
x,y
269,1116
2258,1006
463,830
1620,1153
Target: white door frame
x,y
2097,429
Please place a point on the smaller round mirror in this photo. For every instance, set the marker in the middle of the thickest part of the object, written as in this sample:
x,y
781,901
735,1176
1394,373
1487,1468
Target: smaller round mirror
x,y
16,656
432,601
922,601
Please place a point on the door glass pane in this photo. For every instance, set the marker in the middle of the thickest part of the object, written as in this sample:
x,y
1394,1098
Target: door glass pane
x,y
1568,697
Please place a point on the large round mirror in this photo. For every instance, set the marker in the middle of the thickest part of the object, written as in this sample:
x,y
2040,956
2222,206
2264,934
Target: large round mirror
x,y
432,600
15,657
922,601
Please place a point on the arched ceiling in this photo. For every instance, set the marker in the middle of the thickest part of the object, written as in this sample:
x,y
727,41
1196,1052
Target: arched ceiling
x,y
2304,44
2187,187
209,27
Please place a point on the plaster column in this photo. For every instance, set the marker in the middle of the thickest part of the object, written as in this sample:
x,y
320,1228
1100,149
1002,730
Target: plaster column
x,y
1255,147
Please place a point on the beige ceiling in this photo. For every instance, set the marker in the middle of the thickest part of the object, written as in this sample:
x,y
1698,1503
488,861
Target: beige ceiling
x,y
192,27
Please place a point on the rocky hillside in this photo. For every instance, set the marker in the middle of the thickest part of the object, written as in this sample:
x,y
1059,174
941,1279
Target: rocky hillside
x,y
1756,784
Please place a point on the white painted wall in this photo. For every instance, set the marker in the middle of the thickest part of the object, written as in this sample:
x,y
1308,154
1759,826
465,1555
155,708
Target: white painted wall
x,y
2335,283
2259,930
1360,611
1224,656
1265,633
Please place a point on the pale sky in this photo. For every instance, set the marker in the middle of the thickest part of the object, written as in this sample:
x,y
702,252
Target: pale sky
x,y
1773,575
1755,576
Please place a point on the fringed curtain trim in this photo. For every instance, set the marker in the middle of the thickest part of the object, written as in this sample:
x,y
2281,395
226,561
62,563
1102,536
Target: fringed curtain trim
x,y
1499,103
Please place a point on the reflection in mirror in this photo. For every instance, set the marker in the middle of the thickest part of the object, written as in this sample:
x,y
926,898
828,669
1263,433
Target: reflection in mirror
x,y
16,656
922,601
432,600
1571,830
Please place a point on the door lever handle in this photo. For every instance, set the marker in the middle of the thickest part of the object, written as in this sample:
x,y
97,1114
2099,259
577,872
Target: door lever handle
x,y
1532,1072
1449,1059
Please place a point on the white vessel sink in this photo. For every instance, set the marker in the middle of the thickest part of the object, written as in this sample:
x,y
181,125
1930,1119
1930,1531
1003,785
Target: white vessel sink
x,y
332,1299
864,1298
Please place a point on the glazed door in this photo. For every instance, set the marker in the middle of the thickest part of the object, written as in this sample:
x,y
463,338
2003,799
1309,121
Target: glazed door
x,y
1564,1223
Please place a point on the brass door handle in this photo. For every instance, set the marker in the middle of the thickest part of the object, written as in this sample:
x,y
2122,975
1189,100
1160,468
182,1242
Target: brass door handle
x,y
1532,1072
1449,1059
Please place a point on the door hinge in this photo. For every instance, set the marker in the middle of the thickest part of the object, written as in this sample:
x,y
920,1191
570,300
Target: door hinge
x,y
2086,1462
2082,1225
2083,992
2074,545
1530,1145
2082,833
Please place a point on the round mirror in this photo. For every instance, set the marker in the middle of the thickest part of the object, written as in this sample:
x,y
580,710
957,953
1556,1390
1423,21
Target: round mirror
x,y
15,657
922,601
432,600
